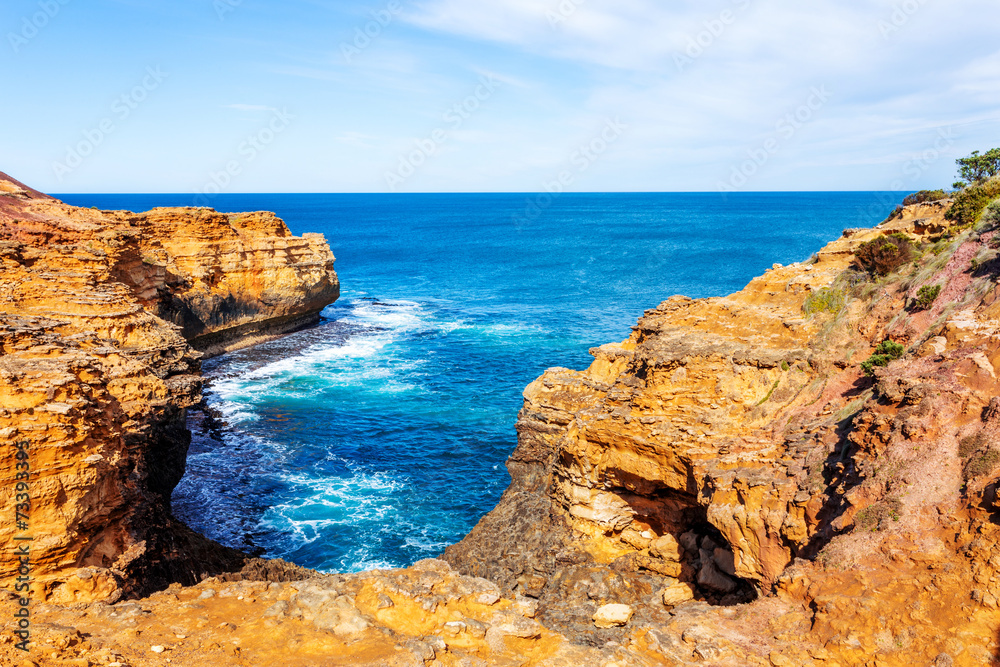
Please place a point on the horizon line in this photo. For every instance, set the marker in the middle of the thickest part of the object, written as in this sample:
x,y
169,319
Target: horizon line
x,y
497,192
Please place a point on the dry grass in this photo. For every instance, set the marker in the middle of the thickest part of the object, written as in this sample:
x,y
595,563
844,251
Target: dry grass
x,y
982,464
970,445
878,515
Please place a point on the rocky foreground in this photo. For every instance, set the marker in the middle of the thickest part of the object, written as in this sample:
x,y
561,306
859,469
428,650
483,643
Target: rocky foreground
x,y
726,487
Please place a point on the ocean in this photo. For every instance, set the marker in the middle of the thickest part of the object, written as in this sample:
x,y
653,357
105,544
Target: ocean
x,y
379,437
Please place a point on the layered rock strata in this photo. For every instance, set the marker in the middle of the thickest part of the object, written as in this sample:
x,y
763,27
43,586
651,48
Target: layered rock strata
x,y
732,449
101,315
726,487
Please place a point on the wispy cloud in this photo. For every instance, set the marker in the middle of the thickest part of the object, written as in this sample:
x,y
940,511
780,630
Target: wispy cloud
x,y
699,83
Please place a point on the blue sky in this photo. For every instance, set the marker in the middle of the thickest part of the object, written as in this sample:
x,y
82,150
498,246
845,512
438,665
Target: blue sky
x,y
508,95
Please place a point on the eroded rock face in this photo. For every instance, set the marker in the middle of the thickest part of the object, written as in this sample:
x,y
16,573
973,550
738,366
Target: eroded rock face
x,y
666,455
227,280
96,371
726,487
731,442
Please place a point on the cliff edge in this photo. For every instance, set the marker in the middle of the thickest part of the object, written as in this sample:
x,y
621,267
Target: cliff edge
x,y
803,473
104,317
735,453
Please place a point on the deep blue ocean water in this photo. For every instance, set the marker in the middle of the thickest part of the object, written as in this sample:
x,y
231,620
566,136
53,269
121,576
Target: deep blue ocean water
x,y
379,437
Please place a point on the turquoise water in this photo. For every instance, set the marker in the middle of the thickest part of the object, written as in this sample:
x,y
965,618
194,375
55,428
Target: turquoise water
x,y
379,437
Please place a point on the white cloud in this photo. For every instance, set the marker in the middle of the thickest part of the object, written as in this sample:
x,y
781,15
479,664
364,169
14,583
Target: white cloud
x,y
703,83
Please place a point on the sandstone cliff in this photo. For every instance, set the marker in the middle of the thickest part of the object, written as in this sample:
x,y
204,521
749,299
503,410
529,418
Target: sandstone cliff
x,y
728,474
101,313
732,449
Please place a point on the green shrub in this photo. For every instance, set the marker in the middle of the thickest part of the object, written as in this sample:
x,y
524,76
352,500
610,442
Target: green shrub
x,y
971,202
826,299
981,464
926,296
883,255
877,515
924,196
940,246
977,168
990,218
971,444
885,352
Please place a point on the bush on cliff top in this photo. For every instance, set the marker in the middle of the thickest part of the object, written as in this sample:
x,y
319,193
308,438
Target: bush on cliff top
x,y
885,352
971,202
924,196
883,255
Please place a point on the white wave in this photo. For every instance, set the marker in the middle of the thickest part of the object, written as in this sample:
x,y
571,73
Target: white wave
x,y
233,395
233,412
364,563
397,316
323,503
424,542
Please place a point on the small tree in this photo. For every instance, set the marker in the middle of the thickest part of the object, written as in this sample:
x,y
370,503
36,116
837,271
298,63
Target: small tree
x,y
978,168
883,255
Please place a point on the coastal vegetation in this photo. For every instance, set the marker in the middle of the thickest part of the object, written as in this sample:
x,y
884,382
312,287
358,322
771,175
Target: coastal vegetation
x,y
828,300
977,169
980,187
883,255
926,296
885,352
877,515
971,202
924,196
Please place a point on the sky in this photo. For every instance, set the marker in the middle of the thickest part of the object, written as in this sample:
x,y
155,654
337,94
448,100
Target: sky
x,y
208,96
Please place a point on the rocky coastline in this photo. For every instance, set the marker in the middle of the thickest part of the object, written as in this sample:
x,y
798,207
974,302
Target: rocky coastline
x,y
106,316
729,486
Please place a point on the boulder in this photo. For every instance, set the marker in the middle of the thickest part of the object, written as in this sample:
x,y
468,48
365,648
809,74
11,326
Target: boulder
x,y
613,616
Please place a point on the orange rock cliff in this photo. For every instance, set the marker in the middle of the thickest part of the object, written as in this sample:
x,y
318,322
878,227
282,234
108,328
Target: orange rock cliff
x,y
105,315
726,487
